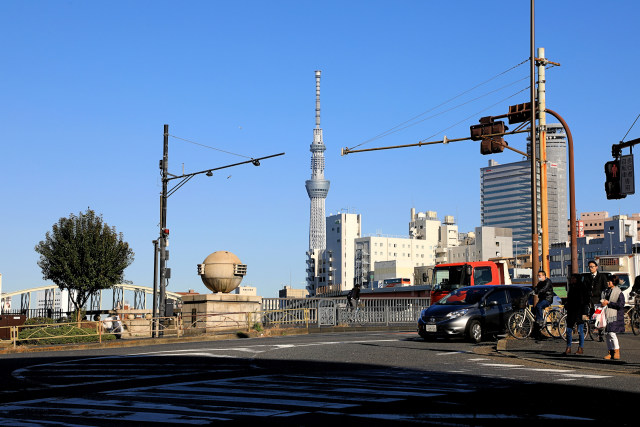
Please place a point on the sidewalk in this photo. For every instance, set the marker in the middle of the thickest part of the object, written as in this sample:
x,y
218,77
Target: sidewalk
x,y
550,351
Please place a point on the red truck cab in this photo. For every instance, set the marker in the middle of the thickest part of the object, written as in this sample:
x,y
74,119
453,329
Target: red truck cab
x,y
449,277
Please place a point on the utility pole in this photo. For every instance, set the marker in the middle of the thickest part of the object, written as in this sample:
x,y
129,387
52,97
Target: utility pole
x,y
160,245
535,262
163,223
542,128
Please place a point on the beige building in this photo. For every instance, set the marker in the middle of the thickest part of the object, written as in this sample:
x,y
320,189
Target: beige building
x,y
289,292
488,243
593,224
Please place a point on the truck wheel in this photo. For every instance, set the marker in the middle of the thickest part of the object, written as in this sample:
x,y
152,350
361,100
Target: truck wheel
x,y
474,331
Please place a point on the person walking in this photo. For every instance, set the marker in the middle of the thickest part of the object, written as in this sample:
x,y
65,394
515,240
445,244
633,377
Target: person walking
x,y
577,306
596,283
613,303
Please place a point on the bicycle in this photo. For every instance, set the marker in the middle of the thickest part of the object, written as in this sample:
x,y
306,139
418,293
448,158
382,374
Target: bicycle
x,y
520,323
355,315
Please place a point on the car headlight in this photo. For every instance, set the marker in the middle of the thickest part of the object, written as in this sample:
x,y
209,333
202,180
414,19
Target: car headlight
x,y
457,313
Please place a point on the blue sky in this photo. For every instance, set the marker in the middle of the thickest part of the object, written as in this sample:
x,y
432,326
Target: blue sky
x,y
87,87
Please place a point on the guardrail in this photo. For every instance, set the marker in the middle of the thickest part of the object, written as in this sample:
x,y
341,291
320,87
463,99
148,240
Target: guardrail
x,y
303,313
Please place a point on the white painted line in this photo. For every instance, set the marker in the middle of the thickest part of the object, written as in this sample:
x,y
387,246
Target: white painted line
x,y
591,376
502,365
477,359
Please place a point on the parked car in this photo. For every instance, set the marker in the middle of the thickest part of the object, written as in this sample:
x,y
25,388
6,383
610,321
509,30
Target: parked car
x,y
472,312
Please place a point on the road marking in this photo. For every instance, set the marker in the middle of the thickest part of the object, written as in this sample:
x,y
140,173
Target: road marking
x,y
501,365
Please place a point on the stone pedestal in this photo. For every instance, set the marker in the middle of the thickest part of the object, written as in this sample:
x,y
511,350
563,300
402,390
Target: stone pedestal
x,y
219,311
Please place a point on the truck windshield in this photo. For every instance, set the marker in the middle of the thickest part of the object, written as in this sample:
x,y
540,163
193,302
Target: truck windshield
x,y
449,278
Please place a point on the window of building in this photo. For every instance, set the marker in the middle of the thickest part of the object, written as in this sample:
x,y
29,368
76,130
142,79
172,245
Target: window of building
x,y
498,243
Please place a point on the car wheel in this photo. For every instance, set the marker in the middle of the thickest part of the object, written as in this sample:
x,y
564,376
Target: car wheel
x,y
474,331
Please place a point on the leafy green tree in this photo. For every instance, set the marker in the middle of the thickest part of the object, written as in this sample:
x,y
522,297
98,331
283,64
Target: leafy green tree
x,y
83,254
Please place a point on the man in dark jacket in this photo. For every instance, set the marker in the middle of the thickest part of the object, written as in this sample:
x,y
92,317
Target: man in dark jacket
x,y
596,283
544,290
636,285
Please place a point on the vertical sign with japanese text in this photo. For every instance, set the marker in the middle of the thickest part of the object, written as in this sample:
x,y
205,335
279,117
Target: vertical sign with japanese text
x,y
627,182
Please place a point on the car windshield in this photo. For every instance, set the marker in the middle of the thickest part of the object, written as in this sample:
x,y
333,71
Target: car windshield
x,y
464,296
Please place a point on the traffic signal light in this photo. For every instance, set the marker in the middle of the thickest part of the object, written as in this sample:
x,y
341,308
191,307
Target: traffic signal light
x,y
489,133
612,184
519,113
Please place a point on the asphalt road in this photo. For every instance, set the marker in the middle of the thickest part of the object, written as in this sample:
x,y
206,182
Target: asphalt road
x,y
368,378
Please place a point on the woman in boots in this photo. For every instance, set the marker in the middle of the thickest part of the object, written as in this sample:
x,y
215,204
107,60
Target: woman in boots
x,y
577,306
613,303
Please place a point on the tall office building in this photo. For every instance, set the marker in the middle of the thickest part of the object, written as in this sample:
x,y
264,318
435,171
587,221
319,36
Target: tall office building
x,y
505,193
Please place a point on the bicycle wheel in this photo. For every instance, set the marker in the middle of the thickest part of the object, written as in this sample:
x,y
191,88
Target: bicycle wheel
x,y
519,325
360,317
635,321
552,322
588,330
562,327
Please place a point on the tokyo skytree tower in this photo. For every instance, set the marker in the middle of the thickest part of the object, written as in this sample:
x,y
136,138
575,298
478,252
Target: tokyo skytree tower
x,y
317,186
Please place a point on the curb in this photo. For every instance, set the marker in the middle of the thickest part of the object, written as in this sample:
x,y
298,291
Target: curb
x,y
139,342
502,348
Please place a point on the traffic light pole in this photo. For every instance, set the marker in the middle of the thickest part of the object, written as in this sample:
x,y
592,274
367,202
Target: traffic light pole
x,y
573,226
535,261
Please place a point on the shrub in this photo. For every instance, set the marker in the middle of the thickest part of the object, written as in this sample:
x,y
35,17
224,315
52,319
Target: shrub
x,y
65,334
39,321
257,327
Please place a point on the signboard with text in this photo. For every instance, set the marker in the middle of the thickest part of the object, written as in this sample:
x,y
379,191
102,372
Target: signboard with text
x,y
627,182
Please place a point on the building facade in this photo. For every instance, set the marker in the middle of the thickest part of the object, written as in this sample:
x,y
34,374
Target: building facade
x,y
487,243
505,193
620,237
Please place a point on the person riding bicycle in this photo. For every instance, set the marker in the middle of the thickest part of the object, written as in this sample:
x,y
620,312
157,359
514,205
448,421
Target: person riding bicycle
x,y
544,290
353,297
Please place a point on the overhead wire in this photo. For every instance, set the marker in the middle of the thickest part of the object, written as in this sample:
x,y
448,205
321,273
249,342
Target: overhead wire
x,y
458,106
634,122
401,125
212,148
475,114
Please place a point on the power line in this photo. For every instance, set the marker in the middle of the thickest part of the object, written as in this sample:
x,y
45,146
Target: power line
x,y
212,148
634,122
393,129
451,109
475,114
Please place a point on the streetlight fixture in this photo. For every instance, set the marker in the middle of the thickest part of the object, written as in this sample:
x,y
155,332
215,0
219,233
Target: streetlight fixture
x,y
162,242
